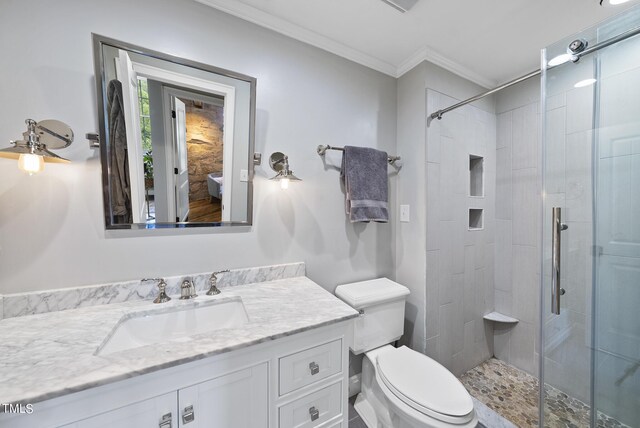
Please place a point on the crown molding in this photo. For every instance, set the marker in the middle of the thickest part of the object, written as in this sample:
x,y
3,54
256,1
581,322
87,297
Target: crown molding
x,y
279,25
282,26
428,54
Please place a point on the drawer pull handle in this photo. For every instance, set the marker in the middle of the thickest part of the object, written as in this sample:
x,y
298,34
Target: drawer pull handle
x,y
314,413
314,368
188,415
165,422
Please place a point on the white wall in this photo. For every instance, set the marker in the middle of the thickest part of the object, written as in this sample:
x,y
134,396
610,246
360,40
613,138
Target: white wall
x,y
413,238
460,279
51,225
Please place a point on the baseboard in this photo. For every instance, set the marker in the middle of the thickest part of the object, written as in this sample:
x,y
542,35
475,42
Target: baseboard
x,y
354,384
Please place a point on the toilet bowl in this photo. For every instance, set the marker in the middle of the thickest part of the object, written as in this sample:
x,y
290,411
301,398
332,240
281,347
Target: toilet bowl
x,y
400,388
414,390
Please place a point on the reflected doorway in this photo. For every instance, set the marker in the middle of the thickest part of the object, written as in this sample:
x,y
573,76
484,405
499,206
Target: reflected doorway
x,y
192,170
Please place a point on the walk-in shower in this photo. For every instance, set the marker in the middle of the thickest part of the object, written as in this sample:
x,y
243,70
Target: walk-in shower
x,y
589,180
591,223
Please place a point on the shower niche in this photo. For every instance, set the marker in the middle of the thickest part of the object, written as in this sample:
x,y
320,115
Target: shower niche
x,y
476,190
476,219
476,175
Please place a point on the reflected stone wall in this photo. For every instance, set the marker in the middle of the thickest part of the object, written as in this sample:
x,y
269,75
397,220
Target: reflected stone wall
x,y
204,145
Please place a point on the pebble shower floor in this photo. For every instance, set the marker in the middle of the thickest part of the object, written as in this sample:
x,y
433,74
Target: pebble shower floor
x,y
513,394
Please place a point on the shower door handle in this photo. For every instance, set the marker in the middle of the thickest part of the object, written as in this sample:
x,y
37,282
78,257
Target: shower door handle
x,y
556,290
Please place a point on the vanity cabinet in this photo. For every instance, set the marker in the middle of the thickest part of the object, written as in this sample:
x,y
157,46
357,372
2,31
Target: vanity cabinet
x,y
238,400
142,414
298,381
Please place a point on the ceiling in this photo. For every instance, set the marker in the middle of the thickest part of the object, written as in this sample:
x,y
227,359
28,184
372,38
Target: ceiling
x,y
488,41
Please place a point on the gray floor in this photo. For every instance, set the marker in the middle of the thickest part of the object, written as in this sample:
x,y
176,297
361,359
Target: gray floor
x,y
355,421
486,415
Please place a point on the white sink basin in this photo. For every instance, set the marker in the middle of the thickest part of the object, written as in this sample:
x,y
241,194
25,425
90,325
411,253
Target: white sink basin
x,y
174,323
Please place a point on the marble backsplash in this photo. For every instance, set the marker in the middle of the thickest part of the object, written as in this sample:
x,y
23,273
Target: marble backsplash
x,y
37,302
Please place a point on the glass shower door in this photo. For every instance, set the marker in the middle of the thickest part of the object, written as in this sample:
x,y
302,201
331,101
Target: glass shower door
x,y
590,347
567,259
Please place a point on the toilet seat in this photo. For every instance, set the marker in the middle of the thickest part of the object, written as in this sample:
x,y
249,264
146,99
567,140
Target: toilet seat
x,y
424,385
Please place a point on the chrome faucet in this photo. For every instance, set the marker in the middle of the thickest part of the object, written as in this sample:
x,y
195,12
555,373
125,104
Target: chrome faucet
x,y
213,283
187,290
162,286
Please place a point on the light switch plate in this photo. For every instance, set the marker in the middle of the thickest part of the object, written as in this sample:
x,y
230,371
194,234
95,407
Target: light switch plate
x,y
405,213
244,175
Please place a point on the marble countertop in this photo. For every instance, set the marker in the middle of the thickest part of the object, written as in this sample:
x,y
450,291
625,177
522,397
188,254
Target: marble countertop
x,y
48,355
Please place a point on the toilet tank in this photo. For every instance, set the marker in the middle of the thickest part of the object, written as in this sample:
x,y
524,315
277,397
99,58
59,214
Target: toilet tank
x,y
381,306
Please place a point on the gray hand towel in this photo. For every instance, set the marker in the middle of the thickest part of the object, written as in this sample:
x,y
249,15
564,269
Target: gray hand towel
x,y
364,174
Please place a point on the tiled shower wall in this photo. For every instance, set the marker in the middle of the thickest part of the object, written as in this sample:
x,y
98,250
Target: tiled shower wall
x,y
517,256
460,262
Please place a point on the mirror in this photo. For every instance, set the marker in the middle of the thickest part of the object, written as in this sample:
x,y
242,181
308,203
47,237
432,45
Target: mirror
x,y
177,139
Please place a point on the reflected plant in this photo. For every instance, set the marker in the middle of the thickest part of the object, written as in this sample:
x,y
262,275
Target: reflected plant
x,y
147,160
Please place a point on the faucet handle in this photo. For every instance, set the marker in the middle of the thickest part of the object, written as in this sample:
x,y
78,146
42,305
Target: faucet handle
x,y
214,274
162,286
213,282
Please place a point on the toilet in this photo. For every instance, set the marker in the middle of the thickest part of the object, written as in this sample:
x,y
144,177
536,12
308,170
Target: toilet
x,y
400,388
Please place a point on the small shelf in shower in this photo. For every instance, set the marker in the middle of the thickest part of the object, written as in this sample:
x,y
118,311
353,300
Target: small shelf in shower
x,y
498,317
476,219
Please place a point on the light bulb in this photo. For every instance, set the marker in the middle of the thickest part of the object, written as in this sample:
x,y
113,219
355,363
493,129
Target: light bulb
x,y
284,183
30,163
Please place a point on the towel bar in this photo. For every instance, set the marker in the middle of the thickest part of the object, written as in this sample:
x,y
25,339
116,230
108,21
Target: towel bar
x,y
322,149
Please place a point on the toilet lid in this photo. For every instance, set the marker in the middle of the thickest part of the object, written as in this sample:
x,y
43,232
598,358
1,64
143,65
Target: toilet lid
x,y
362,294
423,383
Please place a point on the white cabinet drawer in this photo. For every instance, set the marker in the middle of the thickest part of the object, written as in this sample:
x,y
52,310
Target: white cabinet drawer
x,y
311,365
313,409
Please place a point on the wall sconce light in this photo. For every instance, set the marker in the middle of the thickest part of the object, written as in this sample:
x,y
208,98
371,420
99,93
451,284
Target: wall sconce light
x,y
279,162
34,150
